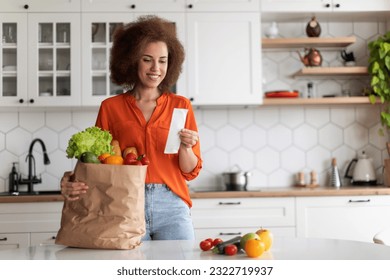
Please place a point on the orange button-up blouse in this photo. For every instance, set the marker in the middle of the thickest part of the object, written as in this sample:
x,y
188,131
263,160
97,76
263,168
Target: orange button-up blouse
x,y
125,121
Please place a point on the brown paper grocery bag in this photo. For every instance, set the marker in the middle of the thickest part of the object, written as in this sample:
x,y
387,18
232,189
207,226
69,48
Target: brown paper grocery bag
x,y
111,214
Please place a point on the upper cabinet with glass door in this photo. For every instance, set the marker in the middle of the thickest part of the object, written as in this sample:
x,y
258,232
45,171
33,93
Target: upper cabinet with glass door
x,y
13,58
40,53
54,59
97,33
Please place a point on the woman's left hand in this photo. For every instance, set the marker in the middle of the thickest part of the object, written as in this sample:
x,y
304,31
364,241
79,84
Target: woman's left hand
x,y
188,137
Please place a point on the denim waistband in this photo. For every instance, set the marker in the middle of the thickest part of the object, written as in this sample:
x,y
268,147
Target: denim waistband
x,y
156,185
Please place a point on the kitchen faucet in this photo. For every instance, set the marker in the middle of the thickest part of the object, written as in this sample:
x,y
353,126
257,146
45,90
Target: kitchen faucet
x,y
32,178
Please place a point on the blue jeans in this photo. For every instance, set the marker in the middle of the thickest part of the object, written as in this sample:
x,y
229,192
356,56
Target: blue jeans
x,y
167,216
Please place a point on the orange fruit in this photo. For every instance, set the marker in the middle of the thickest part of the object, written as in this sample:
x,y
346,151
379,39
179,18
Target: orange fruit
x,y
103,156
254,248
118,160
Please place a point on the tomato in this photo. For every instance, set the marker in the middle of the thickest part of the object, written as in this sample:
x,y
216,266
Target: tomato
x,y
210,240
230,250
144,160
205,245
216,241
131,156
131,159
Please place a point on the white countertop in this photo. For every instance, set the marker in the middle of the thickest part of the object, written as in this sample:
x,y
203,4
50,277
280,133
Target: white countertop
x,y
285,248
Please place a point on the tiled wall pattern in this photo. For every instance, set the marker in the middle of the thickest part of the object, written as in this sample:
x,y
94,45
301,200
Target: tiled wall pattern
x,y
274,143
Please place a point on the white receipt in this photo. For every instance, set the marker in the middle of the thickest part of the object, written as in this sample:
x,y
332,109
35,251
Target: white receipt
x,y
177,123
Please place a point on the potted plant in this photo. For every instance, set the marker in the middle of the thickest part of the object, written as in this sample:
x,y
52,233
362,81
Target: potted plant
x,y
379,70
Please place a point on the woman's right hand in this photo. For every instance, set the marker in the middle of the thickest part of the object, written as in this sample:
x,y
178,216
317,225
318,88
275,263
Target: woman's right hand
x,y
72,190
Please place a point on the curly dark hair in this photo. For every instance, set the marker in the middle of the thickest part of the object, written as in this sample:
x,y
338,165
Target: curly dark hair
x,y
131,39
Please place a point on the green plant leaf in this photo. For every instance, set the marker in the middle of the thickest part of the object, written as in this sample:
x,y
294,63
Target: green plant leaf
x,y
381,75
372,98
386,47
382,52
385,118
374,80
387,62
375,67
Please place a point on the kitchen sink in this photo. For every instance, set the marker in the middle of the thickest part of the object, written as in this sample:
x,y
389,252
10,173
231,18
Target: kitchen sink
x,y
57,192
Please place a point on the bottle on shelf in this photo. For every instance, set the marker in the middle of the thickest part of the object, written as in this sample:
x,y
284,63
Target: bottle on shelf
x,y
310,90
272,31
335,180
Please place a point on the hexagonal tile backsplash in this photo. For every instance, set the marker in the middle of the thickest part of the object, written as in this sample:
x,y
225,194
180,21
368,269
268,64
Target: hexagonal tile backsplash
x,y
266,142
274,143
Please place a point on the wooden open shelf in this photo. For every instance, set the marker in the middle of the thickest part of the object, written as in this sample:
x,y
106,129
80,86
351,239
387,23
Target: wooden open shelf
x,y
314,42
317,101
332,71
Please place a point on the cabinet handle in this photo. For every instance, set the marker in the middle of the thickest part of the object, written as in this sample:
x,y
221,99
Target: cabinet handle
x,y
337,5
190,6
26,7
132,6
230,233
53,237
3,239
21,100
359,200
230,203
192,99
327,5
31,101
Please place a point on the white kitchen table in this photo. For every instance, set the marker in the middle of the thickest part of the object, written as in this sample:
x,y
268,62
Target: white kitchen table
x,y
285,248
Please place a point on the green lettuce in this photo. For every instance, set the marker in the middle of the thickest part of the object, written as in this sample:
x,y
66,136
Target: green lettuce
x,y
92,139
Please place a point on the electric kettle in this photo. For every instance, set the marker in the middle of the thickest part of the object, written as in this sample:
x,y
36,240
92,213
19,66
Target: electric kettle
x,y
363,172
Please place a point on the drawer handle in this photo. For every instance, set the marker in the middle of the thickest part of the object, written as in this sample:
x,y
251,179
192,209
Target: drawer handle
x,y
3,239
229,203
230,233
359,200
53,237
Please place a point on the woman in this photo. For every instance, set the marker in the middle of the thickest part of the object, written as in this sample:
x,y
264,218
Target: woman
x,y
147,57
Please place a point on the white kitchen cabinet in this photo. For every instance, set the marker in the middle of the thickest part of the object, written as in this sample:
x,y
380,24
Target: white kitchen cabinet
x,y
324,5
61,6
10,241
54,59
42,238
32,223
344,217
228,217
223,5
223,59
13,58
133,6
40,59
97,30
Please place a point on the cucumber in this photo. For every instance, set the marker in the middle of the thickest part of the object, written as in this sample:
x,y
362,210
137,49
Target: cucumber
x,y
89,157
220,248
